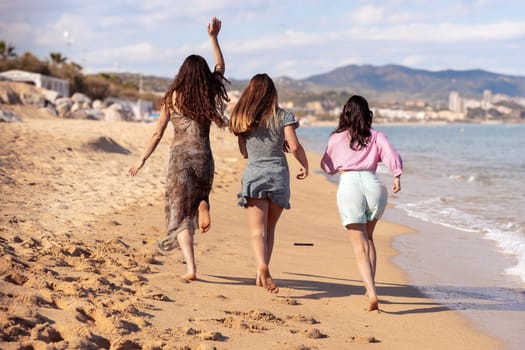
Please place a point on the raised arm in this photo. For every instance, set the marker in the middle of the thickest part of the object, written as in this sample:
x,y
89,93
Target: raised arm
x,y
154,141
297,150
214,28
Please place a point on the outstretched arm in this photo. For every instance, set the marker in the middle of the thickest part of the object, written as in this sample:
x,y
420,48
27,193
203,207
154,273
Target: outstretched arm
x,y
154,141
214,28
297,150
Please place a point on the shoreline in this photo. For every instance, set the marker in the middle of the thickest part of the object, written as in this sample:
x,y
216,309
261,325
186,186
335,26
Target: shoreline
x,y
419,123
80,261
451,270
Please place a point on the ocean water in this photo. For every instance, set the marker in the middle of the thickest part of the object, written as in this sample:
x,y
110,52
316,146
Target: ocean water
x,y
464,177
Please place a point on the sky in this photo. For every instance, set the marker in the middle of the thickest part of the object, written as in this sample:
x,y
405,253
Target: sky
x,y
292,38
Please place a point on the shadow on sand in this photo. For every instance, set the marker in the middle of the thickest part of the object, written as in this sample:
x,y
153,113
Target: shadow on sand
x,y
440,298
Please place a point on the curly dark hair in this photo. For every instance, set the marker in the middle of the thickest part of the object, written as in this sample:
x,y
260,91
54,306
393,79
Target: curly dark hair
x,y
356,118
200,94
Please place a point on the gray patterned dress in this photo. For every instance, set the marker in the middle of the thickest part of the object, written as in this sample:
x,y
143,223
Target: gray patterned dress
x,y
266,174
189,176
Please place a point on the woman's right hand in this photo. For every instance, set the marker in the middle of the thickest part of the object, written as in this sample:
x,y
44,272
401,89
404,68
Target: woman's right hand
x,y
135,168
303,174
214,27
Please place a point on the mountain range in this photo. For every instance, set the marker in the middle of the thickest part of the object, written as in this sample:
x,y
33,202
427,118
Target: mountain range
x,y
394,80
389,83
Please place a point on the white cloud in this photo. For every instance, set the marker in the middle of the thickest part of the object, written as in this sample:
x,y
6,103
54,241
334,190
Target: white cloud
x,y
414,60
449,32
16,32
367,15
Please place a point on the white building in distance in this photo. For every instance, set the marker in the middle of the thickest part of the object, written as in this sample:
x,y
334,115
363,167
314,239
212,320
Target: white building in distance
x,y
39,80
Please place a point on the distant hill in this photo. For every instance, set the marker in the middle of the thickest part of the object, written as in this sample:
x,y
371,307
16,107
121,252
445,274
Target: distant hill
x,y
389,83
392,82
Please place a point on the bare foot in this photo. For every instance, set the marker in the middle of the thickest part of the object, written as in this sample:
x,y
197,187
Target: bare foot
x,y
203,216
258,282
189,276
373,304
266,280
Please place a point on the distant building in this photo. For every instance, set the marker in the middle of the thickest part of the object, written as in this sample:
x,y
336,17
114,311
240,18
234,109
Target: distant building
x,y
454,101
486,102
39,80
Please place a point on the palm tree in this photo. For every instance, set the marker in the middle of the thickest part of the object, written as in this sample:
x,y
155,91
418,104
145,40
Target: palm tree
x,y
7,50
57,58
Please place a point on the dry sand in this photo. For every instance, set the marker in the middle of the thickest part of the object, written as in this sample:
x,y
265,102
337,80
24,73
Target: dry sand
x,y
79,267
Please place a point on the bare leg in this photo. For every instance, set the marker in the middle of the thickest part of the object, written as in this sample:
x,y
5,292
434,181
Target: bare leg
x,y
185,239
370,226
358,238
257,211
274,214
203,216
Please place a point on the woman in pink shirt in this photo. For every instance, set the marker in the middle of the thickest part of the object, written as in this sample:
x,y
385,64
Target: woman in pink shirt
x,y
354,150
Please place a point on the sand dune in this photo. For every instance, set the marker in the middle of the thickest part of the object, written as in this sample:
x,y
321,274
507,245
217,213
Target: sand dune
x,y
80,270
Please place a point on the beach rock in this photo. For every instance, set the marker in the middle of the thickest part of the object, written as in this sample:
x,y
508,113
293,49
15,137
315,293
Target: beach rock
x,y
63,110
51,95
95,114
9,117
118,111
98,104
112,114
122,107
63,101
76,106
9,97
63,106
80,98
33,99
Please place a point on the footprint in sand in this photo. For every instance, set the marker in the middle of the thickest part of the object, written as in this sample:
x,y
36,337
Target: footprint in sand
x,y
46,333
287,301
150,292
314,333
303,319
364,340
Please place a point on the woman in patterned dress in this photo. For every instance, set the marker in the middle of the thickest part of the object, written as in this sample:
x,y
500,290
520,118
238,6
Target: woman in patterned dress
x,y
263,130
193,101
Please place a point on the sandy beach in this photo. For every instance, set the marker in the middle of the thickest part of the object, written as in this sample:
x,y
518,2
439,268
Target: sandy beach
x,y
80,269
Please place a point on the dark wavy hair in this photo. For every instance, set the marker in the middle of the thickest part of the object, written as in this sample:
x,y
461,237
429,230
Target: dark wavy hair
x,y
200,94
356,118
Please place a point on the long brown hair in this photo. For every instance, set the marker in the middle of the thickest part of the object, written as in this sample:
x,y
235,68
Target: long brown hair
x,y
356,118
258,102
200,94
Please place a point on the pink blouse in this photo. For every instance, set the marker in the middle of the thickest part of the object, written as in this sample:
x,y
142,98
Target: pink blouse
x,y
340,157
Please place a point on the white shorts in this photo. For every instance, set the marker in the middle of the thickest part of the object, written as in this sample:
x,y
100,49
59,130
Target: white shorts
x,y
361,197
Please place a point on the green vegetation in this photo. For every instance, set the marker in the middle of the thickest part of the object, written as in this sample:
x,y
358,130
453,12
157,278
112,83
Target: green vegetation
x,y
96,86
